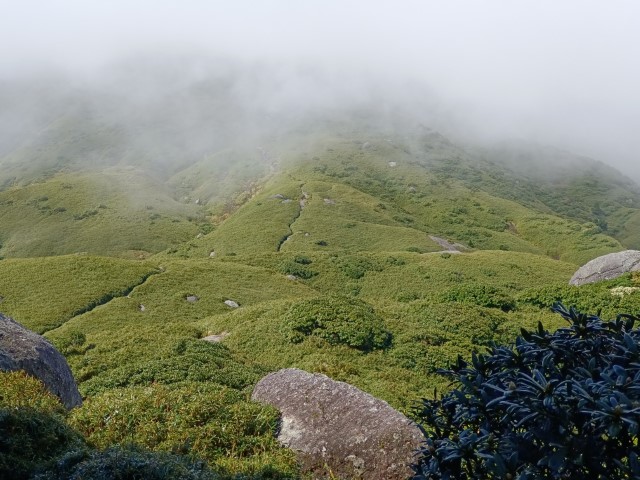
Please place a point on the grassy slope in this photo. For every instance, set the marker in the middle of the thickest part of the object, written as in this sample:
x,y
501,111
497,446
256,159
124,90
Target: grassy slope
x,y
114,212
385,199
363,232
43,293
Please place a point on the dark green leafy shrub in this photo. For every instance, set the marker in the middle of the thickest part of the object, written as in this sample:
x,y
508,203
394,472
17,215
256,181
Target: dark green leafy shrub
x,y
552,406
338,320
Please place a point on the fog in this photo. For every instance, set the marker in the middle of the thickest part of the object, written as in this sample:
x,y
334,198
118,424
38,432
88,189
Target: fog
x,y
560,73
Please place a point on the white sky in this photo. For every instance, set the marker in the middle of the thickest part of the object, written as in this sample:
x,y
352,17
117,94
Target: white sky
x,y
566,72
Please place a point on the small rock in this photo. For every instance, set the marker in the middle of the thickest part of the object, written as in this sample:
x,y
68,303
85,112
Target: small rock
x,y
447,245
192,298
292,277
141,308
231,303
200,235
287,200
329,201
22,349
366,145
212,253
279,195
393,164
215,338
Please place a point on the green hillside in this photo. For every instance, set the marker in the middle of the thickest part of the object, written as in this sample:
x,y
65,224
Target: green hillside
x,y
373,256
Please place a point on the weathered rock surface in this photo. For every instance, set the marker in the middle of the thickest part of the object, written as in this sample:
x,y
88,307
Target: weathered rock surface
x,y
216,338
22,349
335,427
607,267
448,246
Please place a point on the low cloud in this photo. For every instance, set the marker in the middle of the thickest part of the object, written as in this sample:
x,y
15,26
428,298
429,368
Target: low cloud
x,y
563,73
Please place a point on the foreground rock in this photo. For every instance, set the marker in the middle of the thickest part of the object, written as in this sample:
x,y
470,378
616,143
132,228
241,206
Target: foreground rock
x,y
607,267
335,427
22,349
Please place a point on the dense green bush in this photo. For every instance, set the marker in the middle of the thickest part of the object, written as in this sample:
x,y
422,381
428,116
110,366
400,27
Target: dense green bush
x,y
132,463
29,439
215,423
554,405
339,320
189,360
299,269
33,431
480,294
355,267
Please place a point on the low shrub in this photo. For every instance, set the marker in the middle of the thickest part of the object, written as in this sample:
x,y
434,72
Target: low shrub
x,y
211,422
126,463
339,320
188,360
481,295
299,269
33,432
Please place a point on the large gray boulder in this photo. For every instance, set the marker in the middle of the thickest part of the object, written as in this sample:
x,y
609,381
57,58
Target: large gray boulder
x,y
607,267
335,427
22,349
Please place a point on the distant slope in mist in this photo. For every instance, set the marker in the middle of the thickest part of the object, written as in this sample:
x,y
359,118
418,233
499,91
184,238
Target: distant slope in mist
x,y
173,155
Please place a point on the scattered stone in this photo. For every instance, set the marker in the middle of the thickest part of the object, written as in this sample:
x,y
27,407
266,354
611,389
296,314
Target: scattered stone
x,y
141,308
366,145
200,235
192,298
607,267
279,195
292,277
303,199
197,202
231,303
337,429
22,349
448,246
212,253
306,234
393,164
287,200
329,201
215,338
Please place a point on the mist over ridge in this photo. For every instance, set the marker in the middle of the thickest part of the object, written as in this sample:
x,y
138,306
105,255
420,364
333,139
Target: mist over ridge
x,y
560,75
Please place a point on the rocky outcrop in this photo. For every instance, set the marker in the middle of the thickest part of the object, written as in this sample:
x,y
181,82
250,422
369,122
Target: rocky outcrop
x,y
337,429
448,246
607,267
22,349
